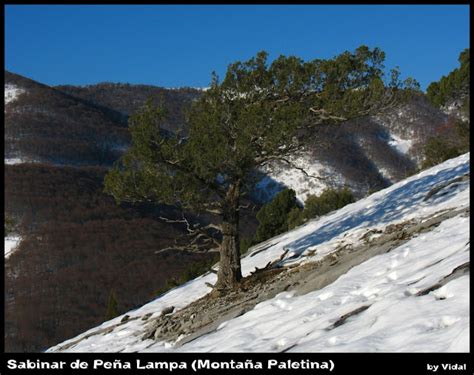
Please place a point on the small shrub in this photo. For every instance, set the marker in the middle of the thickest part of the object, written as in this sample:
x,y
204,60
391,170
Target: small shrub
x,y
438,149
463,130
372,191
273,217
295,217
329,200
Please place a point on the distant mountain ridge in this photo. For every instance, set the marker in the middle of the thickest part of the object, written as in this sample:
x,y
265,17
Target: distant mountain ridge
x,y
128,98
364,146
364,154
43,124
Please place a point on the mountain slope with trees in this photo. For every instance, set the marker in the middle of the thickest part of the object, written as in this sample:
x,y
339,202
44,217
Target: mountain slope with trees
x,y
451,94
67,224
45,125
127,99
58,148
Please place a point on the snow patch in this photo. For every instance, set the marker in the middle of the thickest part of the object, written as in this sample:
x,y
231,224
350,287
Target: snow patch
x,y
13,161
305,176
19,160
11,243
401,145
187,87
12,92
393,322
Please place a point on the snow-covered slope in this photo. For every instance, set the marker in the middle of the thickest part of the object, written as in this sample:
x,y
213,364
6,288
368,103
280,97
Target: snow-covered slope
x,y
11,243
364,154
305,176
12,92
413,298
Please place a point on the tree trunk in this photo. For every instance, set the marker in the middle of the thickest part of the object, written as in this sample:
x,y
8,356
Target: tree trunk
x,y
229,273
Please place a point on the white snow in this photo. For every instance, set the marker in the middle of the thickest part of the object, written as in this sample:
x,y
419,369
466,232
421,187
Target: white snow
x,y
187,87
11,243
397,319
401,145
12,92
13,161
19,160
385,173
279,175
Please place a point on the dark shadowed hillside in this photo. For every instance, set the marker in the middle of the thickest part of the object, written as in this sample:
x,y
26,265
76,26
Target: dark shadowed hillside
x,y
75,240
126,99
44,124
77,247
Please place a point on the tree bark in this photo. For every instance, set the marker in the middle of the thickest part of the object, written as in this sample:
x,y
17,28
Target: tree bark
x,y
229,273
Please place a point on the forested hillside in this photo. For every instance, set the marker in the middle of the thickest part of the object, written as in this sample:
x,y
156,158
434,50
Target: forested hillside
x,y
44,124
127,99
58,147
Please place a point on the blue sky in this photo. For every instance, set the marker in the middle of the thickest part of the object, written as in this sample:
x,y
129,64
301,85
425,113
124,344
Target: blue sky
x,y
174,46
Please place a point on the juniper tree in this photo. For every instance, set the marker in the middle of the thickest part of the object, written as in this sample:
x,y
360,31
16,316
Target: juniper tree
x,y
258,114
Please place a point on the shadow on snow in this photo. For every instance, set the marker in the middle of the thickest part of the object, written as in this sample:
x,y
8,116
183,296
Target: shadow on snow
x,y
386,208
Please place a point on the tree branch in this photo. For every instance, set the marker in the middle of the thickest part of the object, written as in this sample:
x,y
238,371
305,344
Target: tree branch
x,y
293,165
324,115
200,238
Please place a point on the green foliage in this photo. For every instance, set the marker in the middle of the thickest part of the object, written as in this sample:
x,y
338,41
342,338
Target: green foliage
x,y
463,130
246,120
436,151
372,191
453,86
245,244
329,200
440,148
112,307
10,225
273,216
295,217
249,119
